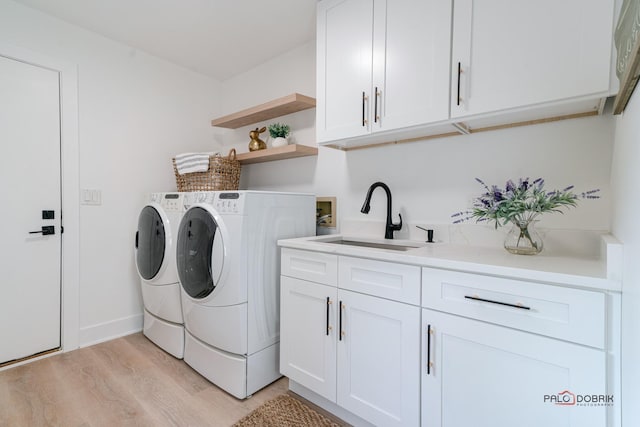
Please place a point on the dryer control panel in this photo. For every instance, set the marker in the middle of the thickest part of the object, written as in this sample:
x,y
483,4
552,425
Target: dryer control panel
x,y
172,202
229,203
199,197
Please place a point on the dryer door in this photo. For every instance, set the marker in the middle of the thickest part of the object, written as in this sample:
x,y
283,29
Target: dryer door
x,y
150,242
199,253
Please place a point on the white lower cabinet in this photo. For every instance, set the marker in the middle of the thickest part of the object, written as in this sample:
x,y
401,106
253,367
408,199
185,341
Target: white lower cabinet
x,y
480,351
479,374
378,359
308,335
358,351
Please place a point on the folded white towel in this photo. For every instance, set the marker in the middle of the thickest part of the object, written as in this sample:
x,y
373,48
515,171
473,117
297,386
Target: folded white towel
x,y
192,162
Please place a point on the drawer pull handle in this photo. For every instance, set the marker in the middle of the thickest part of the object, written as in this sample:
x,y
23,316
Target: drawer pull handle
x,y
523,307
429,364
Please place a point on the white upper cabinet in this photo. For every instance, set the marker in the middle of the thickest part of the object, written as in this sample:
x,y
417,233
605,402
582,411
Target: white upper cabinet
x,y
393,70
517,53
344,61
410,62
382,65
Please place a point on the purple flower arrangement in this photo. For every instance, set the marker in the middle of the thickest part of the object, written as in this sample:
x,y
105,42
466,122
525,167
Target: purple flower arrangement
x,y
520,203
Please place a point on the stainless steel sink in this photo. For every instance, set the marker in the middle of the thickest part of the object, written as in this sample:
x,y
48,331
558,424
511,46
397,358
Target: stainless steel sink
x,y
393,247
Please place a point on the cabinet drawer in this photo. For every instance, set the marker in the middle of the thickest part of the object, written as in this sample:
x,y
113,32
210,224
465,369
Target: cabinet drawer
x,y
565,313
397,282
313,266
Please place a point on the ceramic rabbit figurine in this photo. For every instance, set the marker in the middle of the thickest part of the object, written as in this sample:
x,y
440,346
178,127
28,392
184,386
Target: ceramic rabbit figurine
x,y
256,143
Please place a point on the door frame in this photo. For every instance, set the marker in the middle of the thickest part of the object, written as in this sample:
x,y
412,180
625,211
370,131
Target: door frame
x,y
70,185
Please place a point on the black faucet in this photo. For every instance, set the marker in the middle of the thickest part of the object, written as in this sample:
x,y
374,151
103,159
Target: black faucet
x,y
390,227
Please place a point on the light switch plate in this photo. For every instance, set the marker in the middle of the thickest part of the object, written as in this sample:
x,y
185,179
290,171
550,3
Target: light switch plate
x,y
91,197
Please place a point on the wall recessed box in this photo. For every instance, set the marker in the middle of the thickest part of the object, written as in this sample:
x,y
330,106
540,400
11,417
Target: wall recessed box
x,y
326,212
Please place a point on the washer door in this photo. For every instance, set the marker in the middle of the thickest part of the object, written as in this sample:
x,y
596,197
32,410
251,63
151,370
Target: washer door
x,y
199,253
150,242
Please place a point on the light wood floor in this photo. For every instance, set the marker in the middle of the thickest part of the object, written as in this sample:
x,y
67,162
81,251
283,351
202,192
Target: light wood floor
x,y
125,382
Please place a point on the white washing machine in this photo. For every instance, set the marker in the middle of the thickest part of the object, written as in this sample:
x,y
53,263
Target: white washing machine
x,y
155,253
229,268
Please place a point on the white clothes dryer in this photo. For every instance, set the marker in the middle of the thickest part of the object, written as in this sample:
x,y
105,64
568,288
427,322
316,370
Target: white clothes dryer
x,y
229,269
155,254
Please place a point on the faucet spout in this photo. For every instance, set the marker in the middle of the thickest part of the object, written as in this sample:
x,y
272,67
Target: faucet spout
x,y
390,226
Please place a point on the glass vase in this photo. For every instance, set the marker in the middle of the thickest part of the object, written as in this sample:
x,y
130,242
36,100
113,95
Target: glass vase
x,y
523,239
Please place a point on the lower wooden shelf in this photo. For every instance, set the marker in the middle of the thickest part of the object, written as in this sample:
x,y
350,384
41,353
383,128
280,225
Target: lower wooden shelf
x,y
277,153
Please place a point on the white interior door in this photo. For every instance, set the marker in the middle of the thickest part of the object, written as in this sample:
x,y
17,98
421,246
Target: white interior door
x,y
30,264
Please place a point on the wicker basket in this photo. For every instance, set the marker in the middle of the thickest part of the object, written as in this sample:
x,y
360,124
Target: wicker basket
x,y
223,174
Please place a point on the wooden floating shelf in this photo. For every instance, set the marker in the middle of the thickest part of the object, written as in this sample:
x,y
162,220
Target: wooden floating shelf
x,y
277,153
276,108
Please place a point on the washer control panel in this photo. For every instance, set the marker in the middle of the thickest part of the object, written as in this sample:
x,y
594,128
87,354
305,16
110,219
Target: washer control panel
x,y
229,202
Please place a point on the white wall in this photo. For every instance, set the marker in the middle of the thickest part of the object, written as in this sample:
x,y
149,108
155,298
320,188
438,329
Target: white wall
x,y
136,111
429,179
625,180
291,72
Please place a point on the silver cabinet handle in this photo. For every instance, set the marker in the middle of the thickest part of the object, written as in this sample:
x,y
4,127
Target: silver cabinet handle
x,y
364,98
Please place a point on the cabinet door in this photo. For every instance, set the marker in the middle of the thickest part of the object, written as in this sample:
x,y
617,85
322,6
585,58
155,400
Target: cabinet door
x,y
308,335
520,52
378,359
412,46
344,61
487,375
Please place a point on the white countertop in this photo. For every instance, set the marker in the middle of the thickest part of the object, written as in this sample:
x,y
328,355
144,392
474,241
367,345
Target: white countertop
x,y
589,272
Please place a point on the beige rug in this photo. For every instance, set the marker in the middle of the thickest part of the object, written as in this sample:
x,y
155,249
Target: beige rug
x,y
285,411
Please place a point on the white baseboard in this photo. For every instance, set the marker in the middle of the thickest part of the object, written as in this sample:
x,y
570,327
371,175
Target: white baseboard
x,y
106,331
